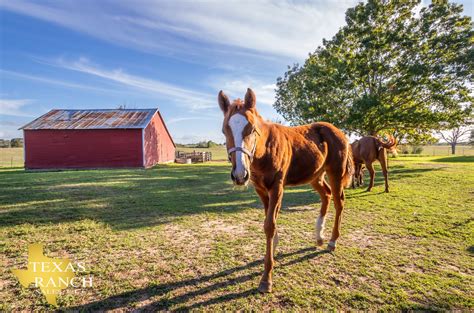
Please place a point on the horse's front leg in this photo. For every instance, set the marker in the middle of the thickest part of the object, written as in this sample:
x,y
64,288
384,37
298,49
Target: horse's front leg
x,y
263,194
275,195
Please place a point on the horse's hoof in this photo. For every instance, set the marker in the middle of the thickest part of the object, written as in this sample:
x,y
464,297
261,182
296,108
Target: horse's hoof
x,y
331,246
386,190
320,242
369,189
265,287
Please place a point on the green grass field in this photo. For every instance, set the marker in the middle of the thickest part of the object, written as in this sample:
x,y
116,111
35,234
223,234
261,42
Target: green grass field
x,y
179,237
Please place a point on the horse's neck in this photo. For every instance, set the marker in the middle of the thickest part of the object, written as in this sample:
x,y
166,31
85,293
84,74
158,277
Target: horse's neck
x,y
267,131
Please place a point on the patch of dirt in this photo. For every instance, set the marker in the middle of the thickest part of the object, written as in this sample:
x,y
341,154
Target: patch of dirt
x,y
364,239
299,208
219,227
200,237
361,239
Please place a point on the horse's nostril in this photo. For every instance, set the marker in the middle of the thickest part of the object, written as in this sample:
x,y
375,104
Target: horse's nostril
x,y
232,175
246,175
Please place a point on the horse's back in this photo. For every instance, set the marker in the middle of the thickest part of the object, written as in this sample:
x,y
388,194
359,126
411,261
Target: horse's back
x,y
316,148
367,150
307,154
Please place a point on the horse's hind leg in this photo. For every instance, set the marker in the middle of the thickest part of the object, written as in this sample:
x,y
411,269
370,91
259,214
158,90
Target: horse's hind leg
x,y
338,198
324,191
360,172
370,167
361,175
355,177
383,163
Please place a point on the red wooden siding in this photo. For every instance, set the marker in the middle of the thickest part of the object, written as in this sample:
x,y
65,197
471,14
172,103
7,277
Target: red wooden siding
x,y
159,147
90,148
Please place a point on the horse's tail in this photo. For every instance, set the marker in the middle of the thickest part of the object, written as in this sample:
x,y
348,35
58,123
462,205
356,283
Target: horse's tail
x,y
349,170
389,144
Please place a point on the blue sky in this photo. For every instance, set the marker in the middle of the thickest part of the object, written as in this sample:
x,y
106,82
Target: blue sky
x,y
174,55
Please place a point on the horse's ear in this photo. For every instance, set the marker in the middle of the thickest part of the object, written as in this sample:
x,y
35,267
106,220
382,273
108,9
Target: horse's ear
x,y
250,99
224,102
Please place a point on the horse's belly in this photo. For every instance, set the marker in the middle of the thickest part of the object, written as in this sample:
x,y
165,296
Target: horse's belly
x,y
306,164
301,173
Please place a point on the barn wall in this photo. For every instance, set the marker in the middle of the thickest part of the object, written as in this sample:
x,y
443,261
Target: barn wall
x,y
159,147
47,149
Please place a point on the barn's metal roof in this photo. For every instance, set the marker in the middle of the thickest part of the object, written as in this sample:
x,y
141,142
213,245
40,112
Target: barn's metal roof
x,y
92,119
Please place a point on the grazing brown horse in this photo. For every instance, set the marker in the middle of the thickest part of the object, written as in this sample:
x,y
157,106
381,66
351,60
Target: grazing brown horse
x,y
368,149
273,156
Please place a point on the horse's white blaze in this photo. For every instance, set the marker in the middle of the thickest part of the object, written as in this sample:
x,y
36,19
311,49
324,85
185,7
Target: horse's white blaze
x,y
320,227
237,123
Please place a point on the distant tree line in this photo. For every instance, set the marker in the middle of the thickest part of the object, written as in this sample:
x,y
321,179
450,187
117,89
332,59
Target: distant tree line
x,y
201,144
13,143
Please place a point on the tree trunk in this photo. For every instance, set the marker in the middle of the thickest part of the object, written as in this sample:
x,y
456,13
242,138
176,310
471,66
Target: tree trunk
x,y
453,148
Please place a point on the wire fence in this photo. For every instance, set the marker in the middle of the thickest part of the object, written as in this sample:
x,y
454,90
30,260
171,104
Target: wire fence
x,y
444,150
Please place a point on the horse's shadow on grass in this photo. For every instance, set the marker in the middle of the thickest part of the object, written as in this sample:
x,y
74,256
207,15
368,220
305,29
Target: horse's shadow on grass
x,y
211,283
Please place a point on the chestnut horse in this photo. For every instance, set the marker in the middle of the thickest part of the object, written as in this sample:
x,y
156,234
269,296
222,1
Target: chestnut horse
x,y
368,149
273,156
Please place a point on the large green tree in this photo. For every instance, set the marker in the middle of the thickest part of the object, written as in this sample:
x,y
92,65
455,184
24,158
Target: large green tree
x,y
392,68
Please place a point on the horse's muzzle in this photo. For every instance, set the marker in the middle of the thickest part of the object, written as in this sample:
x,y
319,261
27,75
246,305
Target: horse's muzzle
x,y
239,180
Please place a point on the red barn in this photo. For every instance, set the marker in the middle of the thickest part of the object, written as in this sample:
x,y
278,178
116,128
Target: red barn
x,y
62,139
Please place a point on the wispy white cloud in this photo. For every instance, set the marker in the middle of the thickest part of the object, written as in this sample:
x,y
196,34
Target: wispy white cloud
x,y
285,28
192,99
236,88
188,28
14,107
54,81
175,120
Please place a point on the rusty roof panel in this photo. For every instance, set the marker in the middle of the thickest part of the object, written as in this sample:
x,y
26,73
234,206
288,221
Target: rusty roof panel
x,y
92,119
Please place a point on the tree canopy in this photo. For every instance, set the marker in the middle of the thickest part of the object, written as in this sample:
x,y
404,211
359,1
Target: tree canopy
x,y
392,68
